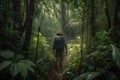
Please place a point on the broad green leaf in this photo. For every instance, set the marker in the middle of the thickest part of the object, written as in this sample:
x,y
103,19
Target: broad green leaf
x,y
4,64
88,76
23,70
93,75
19,57
28,62
14,69
31,69
82,76
7,54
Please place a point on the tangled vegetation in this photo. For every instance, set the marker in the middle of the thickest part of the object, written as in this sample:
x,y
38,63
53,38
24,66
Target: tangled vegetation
x,y
91,29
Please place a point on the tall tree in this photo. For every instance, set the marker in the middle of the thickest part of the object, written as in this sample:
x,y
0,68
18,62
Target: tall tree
x,y
116,24
63,16
30,8
108,15
82,33
17,14
92,18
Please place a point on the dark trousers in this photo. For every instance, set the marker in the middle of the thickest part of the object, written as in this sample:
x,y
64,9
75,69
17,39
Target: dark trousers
x,y
59,58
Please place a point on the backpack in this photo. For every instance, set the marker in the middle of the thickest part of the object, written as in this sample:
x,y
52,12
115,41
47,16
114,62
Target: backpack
x,y
59,43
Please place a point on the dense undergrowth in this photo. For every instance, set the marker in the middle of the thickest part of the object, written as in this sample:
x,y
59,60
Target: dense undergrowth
x,y
100,61
28,27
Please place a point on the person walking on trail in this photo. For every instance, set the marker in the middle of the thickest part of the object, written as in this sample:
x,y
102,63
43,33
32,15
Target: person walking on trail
x,y
59,48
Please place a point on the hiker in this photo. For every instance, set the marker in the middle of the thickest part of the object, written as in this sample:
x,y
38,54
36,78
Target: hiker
x,y
59,48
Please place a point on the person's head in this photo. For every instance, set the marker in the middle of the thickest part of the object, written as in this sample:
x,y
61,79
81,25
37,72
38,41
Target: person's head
x,y
59,34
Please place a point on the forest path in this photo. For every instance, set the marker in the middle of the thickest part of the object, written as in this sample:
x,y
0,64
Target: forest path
x,y
55,71
56,74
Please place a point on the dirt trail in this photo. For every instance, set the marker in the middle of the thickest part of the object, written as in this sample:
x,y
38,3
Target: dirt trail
x,y
56,74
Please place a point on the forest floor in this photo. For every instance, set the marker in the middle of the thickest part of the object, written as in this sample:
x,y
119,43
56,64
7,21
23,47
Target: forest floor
x,y
55,71
56,74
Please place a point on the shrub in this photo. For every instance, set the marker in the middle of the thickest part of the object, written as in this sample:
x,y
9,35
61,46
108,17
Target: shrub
x,y
16,64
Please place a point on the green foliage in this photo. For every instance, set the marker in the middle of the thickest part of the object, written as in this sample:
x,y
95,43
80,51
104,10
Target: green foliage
x,y
116,55
88,76
7,54
45,18
45,56
8,31
4,64
42,43
73,59
103,36
23,69
16,64
10,40
97,60
74,51
14,69
96,63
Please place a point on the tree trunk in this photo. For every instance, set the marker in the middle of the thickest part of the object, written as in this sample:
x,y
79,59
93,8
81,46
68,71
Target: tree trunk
x,y
108,16
92,18
82,34
17,14
30,8
116,24
63,16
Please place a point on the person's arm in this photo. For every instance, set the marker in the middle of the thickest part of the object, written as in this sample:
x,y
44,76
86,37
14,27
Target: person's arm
x,y
65,44
66,50
54,46
54,43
